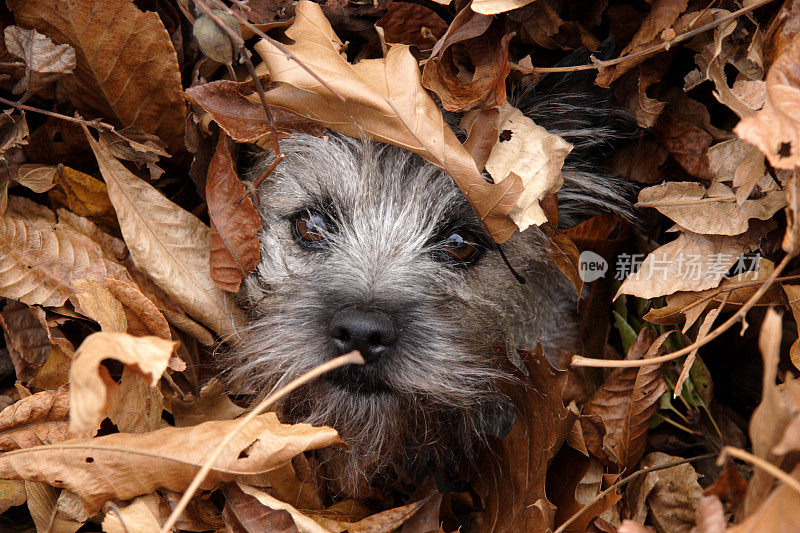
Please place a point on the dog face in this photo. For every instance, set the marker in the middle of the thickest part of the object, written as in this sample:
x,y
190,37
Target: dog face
x,y
368,247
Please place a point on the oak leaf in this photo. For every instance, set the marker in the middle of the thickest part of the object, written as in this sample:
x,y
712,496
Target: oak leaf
x,y
383,97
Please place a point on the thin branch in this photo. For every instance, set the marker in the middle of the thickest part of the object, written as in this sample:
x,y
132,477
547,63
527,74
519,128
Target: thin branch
x,y
758,462
577,360
597,64
351,358
96,123
563,527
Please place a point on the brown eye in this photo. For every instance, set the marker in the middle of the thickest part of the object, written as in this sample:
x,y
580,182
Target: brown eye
x,y
460,247
310,228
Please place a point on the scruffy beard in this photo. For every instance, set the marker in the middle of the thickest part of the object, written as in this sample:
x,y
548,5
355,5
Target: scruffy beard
x,y
430,409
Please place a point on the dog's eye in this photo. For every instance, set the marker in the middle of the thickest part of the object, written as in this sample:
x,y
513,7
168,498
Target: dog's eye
x,y
460,247
310,227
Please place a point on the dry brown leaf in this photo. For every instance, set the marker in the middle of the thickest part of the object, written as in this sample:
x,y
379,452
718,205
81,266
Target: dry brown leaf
x,y
211,404
778,512
83,195
692,262
671,495
95,301
663,15
566,256
142,315
244,120
38,178
235,249
626,401
37,264
12,493
144,514
44,60
122,466
134,144
512,483
143,90
55,371
13,130
691,305
412,24
793,294
254,510
385,98
167,243
89,399
529,152
686,142
26,338
137,406
43,504
713,211
468,67
775,129
772,416
389,520
36,420
493,7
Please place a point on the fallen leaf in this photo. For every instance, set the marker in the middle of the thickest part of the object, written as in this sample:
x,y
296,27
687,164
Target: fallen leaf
x,y
663,14
134,144
167,243
12,493
38,178
13,130
512,482
384,98
686,142
235,249
137,406
714,211
468,67
412,24
493,7
38,264
54,373
44,60
692,262
146,514
671,494
95,301
626,401
242,119
775,129
143,90
84,195
211,404
122,466
43,506
36,420
26,339
141,314
778,511
88,392
529,152
246,514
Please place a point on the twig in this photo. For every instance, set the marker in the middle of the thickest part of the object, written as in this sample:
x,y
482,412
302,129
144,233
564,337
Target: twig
x,y
597,64
285,51
95,123
577,360
244,55
601,495
353,357
758,462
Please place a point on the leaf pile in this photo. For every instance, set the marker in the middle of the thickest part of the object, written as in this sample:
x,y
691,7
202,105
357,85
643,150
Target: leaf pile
x,y
126,230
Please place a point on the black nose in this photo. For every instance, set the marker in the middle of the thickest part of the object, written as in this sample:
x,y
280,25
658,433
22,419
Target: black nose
x,y
369,332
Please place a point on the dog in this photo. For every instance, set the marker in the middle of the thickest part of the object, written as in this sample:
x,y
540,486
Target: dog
x,y
368,247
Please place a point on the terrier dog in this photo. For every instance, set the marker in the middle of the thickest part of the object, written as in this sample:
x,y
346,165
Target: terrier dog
x,y
367,246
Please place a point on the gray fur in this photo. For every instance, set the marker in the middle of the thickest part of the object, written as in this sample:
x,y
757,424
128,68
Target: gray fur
x,y
443,377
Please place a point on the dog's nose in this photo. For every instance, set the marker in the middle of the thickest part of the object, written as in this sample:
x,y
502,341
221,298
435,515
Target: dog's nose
x,y
369,332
